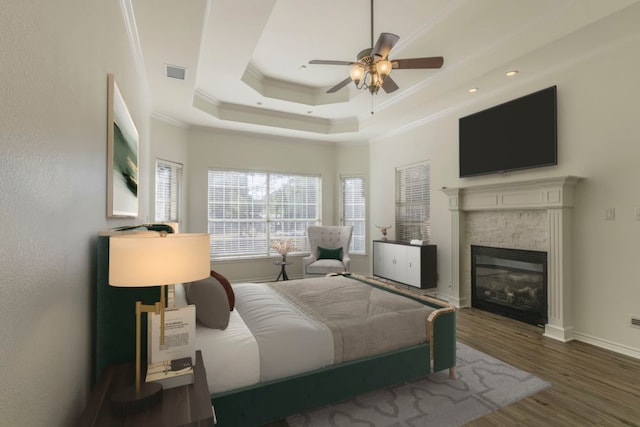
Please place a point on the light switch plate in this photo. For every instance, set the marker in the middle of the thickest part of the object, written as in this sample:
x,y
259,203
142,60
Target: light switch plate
x,y
610,214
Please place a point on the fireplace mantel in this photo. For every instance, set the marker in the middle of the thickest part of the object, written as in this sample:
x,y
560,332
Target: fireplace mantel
x,y
555,196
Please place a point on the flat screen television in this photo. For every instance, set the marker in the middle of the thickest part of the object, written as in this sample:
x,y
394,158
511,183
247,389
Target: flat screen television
x,y
518,134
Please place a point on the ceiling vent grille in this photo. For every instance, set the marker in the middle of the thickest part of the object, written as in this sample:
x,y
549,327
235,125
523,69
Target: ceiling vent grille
x,y
635,321
175,72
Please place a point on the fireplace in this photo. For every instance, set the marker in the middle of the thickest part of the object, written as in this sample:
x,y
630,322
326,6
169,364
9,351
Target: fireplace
x,y
510,282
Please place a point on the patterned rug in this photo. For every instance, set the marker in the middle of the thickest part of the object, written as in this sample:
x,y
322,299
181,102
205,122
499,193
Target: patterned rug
x,y
483,384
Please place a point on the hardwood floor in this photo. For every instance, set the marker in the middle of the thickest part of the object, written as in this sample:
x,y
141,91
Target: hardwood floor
x,y
590,386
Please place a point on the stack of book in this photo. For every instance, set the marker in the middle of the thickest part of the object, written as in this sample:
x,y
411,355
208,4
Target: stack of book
x,y
171,374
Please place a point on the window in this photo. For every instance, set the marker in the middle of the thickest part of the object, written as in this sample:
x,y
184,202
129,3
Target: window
x,y
168,191
413,219
248,210
353,210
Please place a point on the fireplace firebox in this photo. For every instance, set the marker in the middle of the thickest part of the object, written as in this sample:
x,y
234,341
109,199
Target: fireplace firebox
x,y
510,282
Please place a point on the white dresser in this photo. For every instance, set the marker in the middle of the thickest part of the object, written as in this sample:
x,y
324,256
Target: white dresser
x,y
414,265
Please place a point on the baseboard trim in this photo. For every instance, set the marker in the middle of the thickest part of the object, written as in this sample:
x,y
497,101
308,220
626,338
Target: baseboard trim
x,y
558,333
608,345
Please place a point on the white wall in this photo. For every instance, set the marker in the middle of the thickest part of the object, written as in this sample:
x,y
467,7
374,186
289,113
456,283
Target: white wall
x,y
226,149
598,139
53,68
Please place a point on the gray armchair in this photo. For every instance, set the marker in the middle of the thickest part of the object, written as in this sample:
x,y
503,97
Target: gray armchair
x,y
333,257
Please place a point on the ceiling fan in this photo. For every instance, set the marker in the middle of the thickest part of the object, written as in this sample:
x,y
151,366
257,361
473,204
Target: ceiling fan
x,y
372,68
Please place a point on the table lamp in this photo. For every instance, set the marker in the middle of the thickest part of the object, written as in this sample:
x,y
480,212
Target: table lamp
x,y
153,259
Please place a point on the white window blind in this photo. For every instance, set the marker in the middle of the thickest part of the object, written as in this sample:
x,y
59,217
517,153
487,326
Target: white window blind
x,y
249,210
353,208
413,202
168,191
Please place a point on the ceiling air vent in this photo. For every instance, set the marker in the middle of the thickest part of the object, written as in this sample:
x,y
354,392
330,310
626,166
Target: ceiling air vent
x,y
175,72
635,321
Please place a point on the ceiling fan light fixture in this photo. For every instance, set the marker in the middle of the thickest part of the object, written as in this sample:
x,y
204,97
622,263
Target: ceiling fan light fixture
x,y
383,68
373,67
356,73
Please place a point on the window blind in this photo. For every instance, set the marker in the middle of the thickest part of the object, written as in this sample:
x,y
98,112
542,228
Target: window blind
x,y
248,210
413,202
168,191
353,209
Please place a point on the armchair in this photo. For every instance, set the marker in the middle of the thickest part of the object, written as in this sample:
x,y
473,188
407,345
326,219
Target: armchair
x,y
322,262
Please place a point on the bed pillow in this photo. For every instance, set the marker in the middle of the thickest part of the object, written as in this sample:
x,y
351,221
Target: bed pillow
x,y
227,287
211,301
330,253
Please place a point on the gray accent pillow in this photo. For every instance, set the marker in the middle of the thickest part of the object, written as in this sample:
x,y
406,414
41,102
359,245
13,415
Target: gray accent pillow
x,y
211,301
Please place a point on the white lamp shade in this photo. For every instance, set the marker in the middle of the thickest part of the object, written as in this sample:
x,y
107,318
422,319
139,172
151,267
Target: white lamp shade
x,y
152,259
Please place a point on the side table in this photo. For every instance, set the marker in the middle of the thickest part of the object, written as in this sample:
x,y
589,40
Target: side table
x,y
188,405
283,271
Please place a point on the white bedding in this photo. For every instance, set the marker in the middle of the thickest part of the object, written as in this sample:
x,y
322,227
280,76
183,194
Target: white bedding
x,y
267,338
290,341
231,357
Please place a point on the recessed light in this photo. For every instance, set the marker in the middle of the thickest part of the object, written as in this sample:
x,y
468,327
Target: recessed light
x,y
511,73
473,90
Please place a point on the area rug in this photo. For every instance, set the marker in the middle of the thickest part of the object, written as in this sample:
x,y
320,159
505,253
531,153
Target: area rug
x,y
482,385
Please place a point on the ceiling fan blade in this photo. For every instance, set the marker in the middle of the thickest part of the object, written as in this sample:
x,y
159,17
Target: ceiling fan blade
x,y
389,85
383,46
409,63
323,62
340,85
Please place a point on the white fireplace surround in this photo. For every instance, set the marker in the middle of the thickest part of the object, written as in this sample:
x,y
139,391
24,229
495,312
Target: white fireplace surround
x,y
553,195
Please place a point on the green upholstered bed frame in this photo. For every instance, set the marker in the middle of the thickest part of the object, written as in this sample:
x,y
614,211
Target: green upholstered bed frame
x,y
273,400
264,402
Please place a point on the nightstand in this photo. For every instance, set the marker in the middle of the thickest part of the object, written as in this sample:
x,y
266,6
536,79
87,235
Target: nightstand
x,y
188,405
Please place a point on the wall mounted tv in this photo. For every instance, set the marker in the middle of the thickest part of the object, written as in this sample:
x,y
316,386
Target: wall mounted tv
x,y
518,134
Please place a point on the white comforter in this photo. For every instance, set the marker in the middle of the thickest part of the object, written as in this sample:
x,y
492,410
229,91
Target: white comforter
x,y
291,342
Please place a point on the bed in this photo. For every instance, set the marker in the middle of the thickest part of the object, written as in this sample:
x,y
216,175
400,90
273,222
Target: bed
x,y
257,374
295,345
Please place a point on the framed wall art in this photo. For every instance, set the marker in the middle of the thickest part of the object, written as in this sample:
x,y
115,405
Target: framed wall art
x,y
122,154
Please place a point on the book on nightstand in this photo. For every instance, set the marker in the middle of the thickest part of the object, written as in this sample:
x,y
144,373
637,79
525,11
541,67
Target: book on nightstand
x,y
171,374
179,335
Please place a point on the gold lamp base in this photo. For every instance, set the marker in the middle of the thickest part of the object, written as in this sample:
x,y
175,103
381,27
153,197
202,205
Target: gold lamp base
x,y
127,401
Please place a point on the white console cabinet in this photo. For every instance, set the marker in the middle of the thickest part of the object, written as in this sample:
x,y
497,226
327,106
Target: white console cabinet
x,y
404,263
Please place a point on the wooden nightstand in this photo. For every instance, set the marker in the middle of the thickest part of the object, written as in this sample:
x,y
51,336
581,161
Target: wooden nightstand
x,y
188,405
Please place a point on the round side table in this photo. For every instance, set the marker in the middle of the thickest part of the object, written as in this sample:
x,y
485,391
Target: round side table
x,y
283,271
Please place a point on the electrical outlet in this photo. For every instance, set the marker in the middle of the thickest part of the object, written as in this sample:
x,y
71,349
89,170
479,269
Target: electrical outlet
x,y
636,215
610,214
